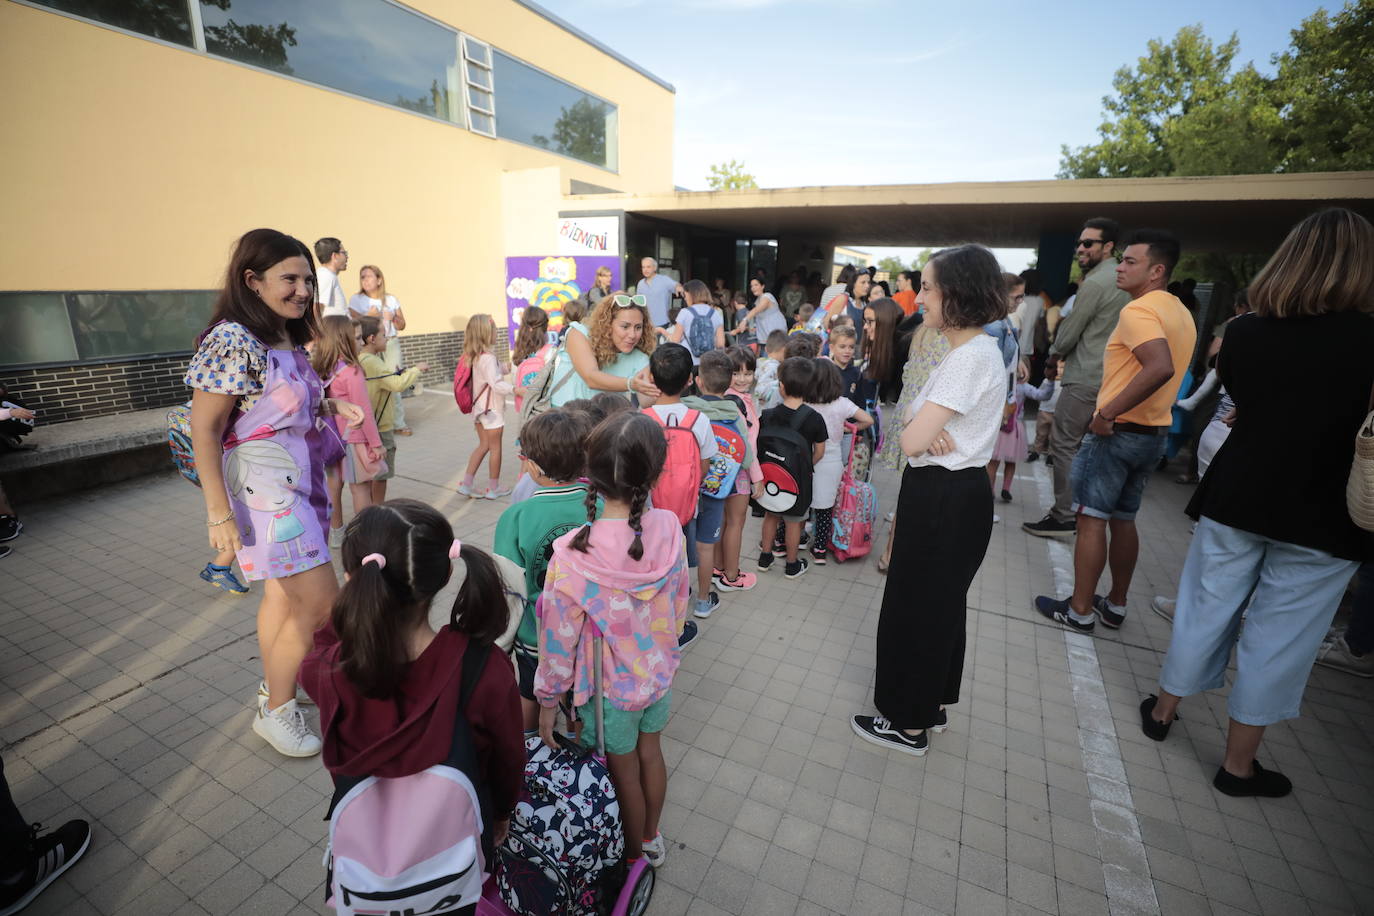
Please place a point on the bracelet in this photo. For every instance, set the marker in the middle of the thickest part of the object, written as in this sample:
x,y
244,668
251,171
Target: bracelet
x,y
629,383
227,518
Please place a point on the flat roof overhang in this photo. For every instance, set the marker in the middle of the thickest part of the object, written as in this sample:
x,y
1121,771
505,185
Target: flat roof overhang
x,y
1233,213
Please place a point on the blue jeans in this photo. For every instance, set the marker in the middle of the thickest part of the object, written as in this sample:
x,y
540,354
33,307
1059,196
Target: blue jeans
x,y
1293,593
1110,472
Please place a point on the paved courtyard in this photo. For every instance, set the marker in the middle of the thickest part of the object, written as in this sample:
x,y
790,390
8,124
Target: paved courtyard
x,y
129,688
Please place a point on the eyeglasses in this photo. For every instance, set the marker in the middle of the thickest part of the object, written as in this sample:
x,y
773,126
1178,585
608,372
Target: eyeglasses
x,y
1088,243
623,301
870,321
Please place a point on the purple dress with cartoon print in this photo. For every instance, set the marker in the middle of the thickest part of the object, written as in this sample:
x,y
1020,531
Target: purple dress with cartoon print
x,y
275,451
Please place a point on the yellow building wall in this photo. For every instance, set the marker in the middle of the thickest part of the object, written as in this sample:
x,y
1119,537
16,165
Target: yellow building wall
x,y
134,165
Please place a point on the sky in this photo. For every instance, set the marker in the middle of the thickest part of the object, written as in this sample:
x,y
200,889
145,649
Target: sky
x,y
901,91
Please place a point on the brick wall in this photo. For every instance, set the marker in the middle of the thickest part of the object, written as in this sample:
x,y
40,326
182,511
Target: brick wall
x,y
65,393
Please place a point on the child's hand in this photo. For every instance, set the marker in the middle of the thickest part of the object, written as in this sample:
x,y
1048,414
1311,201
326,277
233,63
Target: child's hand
x,y
351,413
20,413
758,490
548,715
423,367
499,831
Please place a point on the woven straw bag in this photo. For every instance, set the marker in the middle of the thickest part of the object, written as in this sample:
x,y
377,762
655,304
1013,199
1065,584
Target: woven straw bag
x,y
1359,491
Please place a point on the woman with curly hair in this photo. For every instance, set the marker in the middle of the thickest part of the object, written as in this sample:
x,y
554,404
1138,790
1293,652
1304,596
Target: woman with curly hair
x,y
610,352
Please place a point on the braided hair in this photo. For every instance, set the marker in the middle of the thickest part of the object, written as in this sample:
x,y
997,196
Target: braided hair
x,y
625,455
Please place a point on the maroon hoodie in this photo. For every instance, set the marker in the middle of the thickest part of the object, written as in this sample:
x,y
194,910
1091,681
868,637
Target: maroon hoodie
x,y
414,730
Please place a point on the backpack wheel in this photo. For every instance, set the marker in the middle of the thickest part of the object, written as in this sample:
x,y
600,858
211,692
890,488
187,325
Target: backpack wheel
x,y
639,889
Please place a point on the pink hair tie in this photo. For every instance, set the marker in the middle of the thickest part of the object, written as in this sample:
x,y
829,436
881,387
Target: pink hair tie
x,y
374,558
455,550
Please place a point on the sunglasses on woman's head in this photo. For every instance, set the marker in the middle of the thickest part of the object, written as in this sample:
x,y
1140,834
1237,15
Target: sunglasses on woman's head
x,y
623,301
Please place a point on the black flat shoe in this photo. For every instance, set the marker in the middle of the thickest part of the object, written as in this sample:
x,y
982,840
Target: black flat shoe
x,y
1264,784
1151,726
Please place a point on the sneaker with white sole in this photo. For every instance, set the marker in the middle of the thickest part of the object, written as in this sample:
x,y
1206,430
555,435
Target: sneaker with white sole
x,y
1336,653
302,697
878,730
1164,607
469,492
656,850
741,583
707,606
285,729
498,493
43,859
797,569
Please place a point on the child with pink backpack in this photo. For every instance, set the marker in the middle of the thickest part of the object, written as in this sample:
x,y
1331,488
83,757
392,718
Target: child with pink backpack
x,y
421,727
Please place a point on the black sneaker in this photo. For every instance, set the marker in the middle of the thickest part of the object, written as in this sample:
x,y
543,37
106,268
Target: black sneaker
x,y
779,549
818,558
765,562
805,538
1049,461
1034,457
877,730
1059,612
1006,496
1265,783
756,511
1152,727
10,528
794,570
689,636
941,722
50,856
708,607
1047,527
1110,618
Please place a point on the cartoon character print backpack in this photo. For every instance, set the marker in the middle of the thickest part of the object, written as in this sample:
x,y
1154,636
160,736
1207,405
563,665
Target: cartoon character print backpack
x,y
785,460
724,468
179,441
856,510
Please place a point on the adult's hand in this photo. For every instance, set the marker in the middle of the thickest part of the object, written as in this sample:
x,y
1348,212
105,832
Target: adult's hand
x,y
1230,418
643,383
1023,371
1101,426
942,444
1052,364
548,715
225,536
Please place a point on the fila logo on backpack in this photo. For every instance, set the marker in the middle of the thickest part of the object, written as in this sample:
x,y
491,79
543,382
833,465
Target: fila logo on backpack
x,y
785,459
413,844
701,333
680,481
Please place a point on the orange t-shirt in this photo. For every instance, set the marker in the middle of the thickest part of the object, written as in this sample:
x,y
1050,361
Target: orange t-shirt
x,y
1153,316
907,300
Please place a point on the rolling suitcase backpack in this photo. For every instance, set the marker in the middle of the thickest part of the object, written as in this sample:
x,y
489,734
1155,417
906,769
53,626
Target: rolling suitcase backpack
x,y
856,511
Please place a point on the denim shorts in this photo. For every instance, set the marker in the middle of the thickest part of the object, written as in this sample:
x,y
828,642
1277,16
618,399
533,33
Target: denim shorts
x,y
1109,473
623,728
710,516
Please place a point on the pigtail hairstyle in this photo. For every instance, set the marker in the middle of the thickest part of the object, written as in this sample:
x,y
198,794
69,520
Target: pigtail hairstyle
x,y
405,544
480,610
625,455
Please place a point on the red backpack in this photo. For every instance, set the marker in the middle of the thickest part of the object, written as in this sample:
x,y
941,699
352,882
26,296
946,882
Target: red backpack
x,y
680,482
462,385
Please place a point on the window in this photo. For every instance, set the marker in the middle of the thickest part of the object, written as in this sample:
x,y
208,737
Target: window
x,y
169,20
546,112
94,326
370,48
477,79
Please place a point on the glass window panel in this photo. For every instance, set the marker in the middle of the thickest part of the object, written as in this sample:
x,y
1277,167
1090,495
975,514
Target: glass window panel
x,y
113,324
479,99
370,48
483,123
165,19
479,77
34,328
546,112
477,51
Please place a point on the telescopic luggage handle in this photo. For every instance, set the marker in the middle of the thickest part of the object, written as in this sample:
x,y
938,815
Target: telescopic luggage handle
x,y
598,693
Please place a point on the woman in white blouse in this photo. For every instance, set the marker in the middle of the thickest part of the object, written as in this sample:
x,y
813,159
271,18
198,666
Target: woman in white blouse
x,y
944,512
374,300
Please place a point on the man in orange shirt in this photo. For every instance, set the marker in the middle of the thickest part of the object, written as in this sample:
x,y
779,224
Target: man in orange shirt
x,y
1143,368
907,281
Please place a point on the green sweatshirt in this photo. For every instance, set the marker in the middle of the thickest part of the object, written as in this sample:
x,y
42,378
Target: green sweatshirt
x,y
384,386
525,534
723,410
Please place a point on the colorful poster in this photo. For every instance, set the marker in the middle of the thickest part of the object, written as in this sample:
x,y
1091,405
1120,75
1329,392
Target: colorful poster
x,y
593,235
548,282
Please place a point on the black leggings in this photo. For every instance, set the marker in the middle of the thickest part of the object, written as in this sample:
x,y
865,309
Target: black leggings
x,y
14,830
820,536
944,523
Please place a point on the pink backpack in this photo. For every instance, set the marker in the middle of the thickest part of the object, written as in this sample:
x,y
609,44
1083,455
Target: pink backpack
x,y
680,482
413,844
462,385
856,511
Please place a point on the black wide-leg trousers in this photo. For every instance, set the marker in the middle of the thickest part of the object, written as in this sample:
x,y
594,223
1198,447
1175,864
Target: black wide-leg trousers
x,y
944,523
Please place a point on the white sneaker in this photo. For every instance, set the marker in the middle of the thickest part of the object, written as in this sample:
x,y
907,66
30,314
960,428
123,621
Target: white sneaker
x,y
302,697
284,728
335,538
1164,607
468,491
1336,653
656,851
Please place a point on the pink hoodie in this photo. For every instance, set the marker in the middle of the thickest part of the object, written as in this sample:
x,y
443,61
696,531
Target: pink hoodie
x,y
751,415
639,606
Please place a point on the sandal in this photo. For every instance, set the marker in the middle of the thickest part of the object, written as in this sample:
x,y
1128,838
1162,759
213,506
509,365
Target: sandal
x,y
882,566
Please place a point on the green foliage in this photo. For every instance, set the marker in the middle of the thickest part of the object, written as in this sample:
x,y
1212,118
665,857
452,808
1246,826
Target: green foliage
x,y
1187,109
894,265
730,176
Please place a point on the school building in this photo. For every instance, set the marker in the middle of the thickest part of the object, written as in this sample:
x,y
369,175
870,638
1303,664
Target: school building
x,y
436,140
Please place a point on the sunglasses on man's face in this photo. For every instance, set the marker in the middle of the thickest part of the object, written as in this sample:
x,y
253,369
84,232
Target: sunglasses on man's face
x,y
1088,243
623,301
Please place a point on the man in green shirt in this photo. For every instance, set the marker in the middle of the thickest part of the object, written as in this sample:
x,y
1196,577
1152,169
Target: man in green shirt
x,y
1077,352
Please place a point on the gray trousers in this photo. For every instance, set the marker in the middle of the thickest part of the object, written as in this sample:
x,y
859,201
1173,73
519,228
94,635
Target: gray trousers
x,y
1072,415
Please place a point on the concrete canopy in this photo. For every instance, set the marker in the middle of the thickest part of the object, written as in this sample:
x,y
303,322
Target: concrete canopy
x,y
1237,213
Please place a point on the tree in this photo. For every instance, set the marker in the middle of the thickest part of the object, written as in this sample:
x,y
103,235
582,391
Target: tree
x,y
730,176
1327,80
890,266
893,265
260,45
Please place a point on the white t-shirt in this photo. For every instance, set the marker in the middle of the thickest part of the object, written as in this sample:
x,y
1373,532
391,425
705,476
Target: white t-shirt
x,y
360,304
706,437
688,315
769,320
972,382
834,414
329,294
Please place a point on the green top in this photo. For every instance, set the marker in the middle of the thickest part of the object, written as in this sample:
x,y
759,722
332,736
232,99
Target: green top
x,y
525,534
1081,339
384,386
625,365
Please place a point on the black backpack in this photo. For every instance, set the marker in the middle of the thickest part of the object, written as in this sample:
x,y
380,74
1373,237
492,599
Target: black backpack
x,y
785,459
